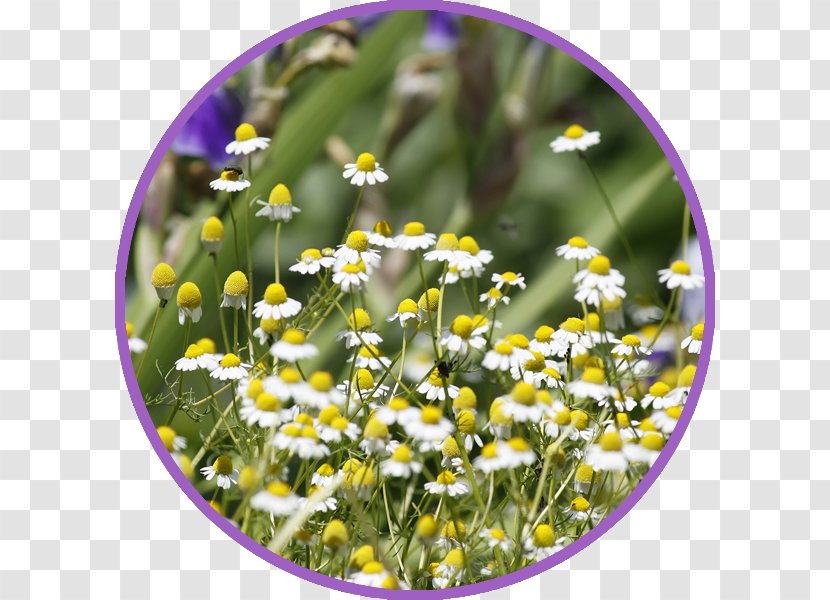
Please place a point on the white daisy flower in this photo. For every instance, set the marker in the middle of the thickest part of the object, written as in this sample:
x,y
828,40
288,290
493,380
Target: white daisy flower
x,y
516,452
414,237
325,475
189,302
493,297
136,344
679,274
630,345
646,450
372,574
598,281
357,250
448,249
279,206
450,570
235,293
658,396
579,509
335,428
323,506
276,304
430,427
222,469
293,347
285,384
230,179
350,277
579,428
447,483
301,440
171,440
436,387
375,438
266,410
544,342
575,138
622,406
318,392
407,309
506,354
465,420
496,538
542,543
266,331
695,340
363,387
230,368
508,279
311,261
522,404
277,499
369,357
490,459
195,358
571,334
577,248
666,420
607,454
459,338
365,170
400,464
246,141
381,235
397,410
592,384
359,332
557,419
469,244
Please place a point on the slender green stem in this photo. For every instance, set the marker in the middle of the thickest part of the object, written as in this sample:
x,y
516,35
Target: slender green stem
x,y
235,231
217,280
277,252
249,254
150,339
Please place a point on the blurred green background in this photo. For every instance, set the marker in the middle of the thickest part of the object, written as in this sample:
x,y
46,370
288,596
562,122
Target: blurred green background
x,y
462,131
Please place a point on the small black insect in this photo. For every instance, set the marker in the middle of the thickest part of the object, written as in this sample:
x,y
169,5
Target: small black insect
x,y
445,368
236,170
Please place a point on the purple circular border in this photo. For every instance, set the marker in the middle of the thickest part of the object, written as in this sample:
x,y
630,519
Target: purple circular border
x,y
509,21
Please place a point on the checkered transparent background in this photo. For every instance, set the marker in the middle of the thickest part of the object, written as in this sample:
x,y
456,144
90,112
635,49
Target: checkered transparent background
x,y
88,87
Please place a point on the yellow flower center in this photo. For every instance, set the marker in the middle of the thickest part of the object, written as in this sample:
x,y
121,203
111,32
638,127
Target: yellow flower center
x,y
293,336
351,269
431,415
267,402
310,433
255,388
369,351
489,451
236,284
652,441
578,242
648,425
245,132
426,527
681,267
363,476
466,422
543,536
335,534
279,489
579,419
687,376
408,306
611,305
494,293
659,389
163,276
223,465
592,321
372,568
593,375
357,240
351,465
623,421
447,241
213,230
429,300
383,228
599,265
466,399
552,372
279,195
275,294
524,393
563,417
584,474
269,325
497,415
304,419
402,454
498,534
362,556
376,429
518,444
366,162
674,412
290,375
193,351
398,403
207,344
436,379
536,363
697,332
310,254
573,325
129,328
631,340
167,435
454,558
363,380
580,504
328,414
231,174
445,478
468,244
390,583
610,441
574,132
450,448
462,326
189,296
504,348
325,470
544,333
414,228
509,276
359,320
321,381
230,360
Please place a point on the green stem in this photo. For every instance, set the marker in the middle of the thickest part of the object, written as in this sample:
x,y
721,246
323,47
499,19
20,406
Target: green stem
x,y
219,303
277,252
235,231
150,339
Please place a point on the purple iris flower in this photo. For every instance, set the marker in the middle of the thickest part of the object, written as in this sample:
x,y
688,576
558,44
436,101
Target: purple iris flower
x,y
210,128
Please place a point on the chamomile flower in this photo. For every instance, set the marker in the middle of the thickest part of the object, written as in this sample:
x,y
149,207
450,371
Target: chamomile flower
x,y
335,535
571,334
235,294
598,281
450,570
230,368
277,499
397,410
542,543
630,345
268,328
522,404
584,478
679,274
496,538
666,420
508,279
575,138
363,387
607,454
356,249
684,385
500,423
549,377
301,440
246,141
375,437
459,338
189,301
516,452
365,170
593,385
230,179
318,392
493,297
171,440
222,469
446,482
407,309
369,357
613,311
544,342
350,277
311,261
430,427
334,427
436,387
266,410
325,475
466,400
579,509
658,396
195,358
400,463
381,235
287,383
293,346
321,506
580,428
490,459
448,249
646,450
469,244
465,420
507,353
414,237
212,235
372,574
360,330
598,333
530,368
276,304
358,479
577,248
279,206
136,344
695,340
163,279
428,303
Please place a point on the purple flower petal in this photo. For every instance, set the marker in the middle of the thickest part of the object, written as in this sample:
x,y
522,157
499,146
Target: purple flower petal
x,y
210,128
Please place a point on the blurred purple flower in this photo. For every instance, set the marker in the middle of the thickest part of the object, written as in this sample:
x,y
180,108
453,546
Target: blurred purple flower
x,y
210,128
442,30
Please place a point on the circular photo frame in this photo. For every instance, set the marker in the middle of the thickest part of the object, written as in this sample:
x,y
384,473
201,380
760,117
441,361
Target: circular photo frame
x,y
592,281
